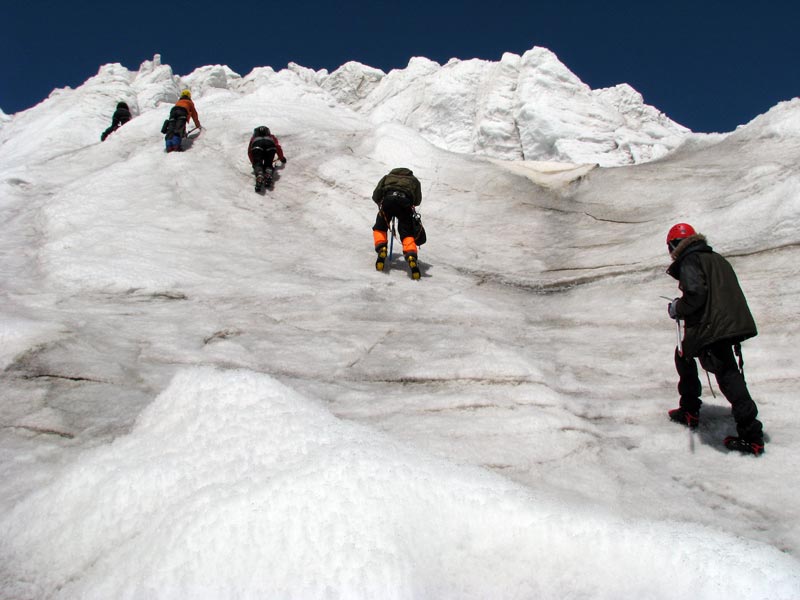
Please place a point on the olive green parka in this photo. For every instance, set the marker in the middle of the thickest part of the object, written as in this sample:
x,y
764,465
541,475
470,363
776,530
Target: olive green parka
x,y
400,180
713,305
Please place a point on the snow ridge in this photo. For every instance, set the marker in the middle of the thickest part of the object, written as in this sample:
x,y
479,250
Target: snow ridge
x,y
529,107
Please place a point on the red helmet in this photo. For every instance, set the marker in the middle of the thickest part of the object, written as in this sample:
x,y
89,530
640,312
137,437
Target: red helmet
x,y
680,231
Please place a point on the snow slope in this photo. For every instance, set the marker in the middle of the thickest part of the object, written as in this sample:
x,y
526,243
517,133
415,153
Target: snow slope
x,y
209,393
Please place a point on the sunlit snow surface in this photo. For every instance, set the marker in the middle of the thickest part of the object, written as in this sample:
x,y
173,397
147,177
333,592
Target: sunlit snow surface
x,y
233,485
212,394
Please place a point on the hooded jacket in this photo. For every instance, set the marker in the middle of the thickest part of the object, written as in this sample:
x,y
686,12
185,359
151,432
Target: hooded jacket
x,y
400,180
713,305
121,115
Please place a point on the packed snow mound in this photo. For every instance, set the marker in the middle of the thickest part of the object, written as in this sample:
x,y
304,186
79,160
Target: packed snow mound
x,y
782,121
17,334
529,107
352,83
233,485
205,80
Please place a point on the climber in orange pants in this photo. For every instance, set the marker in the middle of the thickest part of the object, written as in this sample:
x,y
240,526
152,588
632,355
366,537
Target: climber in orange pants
x,y
397,194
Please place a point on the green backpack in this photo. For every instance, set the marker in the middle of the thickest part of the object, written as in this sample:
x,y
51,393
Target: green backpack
x,y
403,180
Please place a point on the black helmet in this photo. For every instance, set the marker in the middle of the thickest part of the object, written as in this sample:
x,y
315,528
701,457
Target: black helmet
x,y
261,131
122,105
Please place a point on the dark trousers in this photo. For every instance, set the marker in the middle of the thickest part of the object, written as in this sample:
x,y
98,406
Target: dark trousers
x,y
719,359
398,207
262,161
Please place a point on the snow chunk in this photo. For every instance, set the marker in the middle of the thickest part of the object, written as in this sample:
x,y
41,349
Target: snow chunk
x,y
530,107
779,122
552,175
258,77
352,82
214,77
234,485
150,65
420,65
307,75
155,83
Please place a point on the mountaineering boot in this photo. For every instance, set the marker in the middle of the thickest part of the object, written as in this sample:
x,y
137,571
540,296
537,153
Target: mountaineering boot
x,y
381,260
744,446
412,264
684,417
259,183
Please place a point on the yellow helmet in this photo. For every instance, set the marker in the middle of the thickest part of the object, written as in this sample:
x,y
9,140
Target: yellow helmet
x,y
186,94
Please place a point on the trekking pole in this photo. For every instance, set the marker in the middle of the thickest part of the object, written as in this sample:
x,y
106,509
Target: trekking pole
x,y
677,330
680,348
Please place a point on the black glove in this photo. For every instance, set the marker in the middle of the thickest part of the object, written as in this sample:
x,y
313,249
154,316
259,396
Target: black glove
x,y
283,160
672,309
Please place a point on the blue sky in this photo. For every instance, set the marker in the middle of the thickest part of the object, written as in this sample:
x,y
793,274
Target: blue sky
x,y
709,65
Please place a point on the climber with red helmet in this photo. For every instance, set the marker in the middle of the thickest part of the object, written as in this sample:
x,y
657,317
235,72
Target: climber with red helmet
x,y
716,320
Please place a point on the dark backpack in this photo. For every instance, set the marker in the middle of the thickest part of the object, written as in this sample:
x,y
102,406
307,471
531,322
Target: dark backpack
x,y
263,143
122,116
176,124
407,184
178,112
